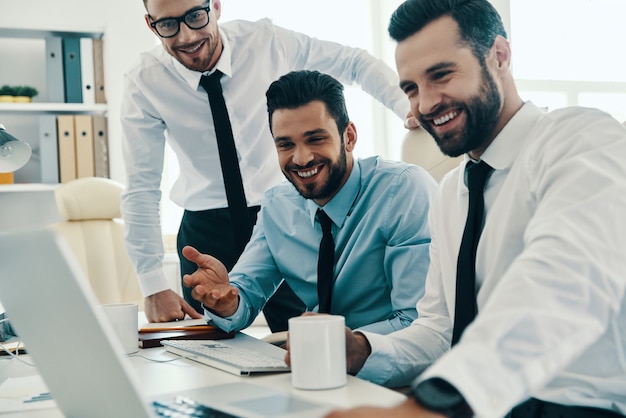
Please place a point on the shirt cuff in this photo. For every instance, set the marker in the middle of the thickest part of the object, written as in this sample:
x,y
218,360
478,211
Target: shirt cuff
x,y
153,282
377,367
229,323
489,388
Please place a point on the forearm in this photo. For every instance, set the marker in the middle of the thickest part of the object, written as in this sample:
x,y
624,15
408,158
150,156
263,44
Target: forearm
x,y
144,241
351,65
400,319
239,320
396,359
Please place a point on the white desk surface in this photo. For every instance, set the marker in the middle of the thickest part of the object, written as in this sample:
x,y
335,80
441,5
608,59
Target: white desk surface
x,y
161,378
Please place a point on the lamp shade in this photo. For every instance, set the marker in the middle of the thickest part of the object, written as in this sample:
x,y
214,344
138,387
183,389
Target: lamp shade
x,y
14,153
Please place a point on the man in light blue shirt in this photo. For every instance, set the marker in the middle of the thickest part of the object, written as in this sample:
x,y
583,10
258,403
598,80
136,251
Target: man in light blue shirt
x,y
378,209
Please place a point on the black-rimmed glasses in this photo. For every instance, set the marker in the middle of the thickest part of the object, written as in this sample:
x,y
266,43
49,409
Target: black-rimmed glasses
x,y
194,19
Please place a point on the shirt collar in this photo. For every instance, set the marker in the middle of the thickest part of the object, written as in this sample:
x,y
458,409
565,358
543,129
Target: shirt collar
x,y
506,146
224,64
341,204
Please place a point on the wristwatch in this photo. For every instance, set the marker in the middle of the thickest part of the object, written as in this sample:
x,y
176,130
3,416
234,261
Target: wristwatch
x,y
440,396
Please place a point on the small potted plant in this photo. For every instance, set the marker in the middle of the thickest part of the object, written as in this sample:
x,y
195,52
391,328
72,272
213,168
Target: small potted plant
x,y
6,93
24,93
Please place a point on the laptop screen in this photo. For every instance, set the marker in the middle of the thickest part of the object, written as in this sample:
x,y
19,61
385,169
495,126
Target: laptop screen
x,y
51,307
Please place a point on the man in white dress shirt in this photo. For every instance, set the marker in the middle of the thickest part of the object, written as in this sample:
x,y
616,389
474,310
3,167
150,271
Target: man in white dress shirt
x,y
549,337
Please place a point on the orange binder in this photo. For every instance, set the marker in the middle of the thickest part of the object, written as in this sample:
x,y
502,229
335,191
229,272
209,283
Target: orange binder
x,y
6,178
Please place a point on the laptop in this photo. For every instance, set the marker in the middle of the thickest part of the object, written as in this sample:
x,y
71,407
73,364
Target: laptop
x,y
54,311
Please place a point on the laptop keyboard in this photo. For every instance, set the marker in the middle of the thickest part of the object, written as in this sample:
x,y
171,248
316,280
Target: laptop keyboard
x,y
218,352
181,407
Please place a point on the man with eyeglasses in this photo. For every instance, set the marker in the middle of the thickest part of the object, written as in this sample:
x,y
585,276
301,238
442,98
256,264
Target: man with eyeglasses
x,y
164,101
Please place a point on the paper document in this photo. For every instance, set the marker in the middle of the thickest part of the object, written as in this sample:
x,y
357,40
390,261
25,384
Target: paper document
x,y
24,394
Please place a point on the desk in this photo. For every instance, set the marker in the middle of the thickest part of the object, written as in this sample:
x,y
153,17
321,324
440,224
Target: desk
x,y
162,378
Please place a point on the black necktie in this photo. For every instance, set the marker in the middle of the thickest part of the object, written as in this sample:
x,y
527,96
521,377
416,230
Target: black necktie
x,y
237,206
465,305
325,263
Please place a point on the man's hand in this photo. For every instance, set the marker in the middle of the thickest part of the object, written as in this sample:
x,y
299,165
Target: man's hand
x,y
408,408
168,306
411,122
357,349
210,283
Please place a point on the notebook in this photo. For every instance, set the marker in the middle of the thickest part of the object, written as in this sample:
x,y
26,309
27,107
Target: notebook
x,y
53,310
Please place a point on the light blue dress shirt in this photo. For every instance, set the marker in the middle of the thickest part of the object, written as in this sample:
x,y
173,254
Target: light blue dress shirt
x,y
381,238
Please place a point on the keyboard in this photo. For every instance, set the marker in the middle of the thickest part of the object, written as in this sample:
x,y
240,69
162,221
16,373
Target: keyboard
x,y
182,407
231,359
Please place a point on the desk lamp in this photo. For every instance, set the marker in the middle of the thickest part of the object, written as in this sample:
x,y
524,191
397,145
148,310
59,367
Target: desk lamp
x,y
14,153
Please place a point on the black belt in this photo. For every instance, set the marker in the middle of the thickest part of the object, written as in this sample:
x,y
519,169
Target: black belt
x,y
535,408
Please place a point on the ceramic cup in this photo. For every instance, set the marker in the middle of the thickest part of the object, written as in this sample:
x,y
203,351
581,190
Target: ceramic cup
x,y
123,317
317,349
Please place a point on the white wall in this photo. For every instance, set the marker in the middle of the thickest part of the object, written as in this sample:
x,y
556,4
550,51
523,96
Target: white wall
x,y
126,36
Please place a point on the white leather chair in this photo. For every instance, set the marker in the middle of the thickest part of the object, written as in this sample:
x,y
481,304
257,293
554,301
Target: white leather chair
x,y
94,231
419,148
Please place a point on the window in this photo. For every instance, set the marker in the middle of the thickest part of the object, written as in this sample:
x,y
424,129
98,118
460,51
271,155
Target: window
x,y
567,52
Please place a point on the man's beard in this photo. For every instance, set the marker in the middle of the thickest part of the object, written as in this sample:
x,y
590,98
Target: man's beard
x,y
482,113
201,63
336,173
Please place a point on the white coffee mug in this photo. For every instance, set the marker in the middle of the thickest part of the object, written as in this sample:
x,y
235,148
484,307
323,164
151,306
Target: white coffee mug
x,y
317,349
123,317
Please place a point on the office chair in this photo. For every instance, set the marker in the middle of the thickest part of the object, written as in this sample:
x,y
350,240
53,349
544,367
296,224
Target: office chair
x,y
419,148
94,231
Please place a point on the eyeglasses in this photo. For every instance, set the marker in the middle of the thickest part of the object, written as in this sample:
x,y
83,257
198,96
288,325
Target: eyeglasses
x,y
194,19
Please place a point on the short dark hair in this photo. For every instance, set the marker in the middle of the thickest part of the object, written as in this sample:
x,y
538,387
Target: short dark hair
x,y
299,88
479,22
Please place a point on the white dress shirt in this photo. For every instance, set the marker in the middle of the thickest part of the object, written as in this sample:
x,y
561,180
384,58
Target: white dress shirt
x,y
551,273
164,102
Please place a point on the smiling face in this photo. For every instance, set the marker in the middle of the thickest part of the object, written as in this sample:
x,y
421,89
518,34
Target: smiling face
x,y
452,93
311,152
196,49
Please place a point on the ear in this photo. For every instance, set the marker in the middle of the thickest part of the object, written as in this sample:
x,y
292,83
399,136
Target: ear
x,y
147,18
502,53
350,137
217,8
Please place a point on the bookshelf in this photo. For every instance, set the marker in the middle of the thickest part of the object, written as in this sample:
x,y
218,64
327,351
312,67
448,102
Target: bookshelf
x,y
67,67
44,108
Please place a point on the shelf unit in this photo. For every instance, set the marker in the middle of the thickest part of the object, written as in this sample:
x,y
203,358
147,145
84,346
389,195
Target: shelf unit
x,y
46,108
40,59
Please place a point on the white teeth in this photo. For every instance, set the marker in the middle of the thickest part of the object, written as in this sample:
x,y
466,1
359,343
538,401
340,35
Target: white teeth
x,y
445,118
307,174
192,50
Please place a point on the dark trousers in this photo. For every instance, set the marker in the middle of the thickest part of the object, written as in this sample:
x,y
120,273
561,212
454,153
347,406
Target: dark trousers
x,y
535,408
210,232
